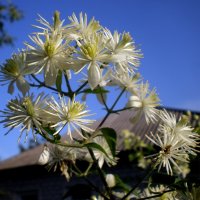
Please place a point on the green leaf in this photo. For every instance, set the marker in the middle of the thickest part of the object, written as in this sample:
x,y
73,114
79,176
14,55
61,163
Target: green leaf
x,y
51,132
59,81
121,185
111,138
95,91
94,145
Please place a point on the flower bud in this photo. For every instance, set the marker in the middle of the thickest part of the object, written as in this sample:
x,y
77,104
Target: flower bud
x,y
44,157
110,179
134,101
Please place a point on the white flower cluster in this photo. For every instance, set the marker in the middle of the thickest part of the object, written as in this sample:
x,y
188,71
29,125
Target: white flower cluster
x,y
46,116
176,141
82,46
108,60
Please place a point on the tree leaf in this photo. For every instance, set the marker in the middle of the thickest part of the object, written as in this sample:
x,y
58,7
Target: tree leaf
x,y
95,91
121,185
111,138
59,81
94,145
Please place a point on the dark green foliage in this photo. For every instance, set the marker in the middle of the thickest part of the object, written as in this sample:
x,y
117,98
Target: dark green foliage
x,y
59,81
8,13
111,137
98,90
96,146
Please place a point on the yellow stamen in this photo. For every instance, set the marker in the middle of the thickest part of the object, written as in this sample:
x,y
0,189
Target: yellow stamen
x,y
27,103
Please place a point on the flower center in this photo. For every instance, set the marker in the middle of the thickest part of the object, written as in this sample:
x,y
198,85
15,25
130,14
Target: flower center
x,y
166,150
126,38
11,67
28,105
74,110
89,50
49,48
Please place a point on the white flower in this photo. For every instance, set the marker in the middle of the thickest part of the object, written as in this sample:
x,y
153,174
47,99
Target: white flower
x,y
159,189
101,156
178,128
124,79
71,114
92,55
13,71
25,112
175,140
50,55
122,49
44,156
55,28
79,29
190,193
172,149
144,102
53,154
56,156
101,96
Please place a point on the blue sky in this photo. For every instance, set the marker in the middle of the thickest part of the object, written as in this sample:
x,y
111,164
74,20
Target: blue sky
x,y
166,31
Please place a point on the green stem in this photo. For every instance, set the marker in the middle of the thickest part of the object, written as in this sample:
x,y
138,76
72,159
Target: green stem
x,y
81,87
88,169
141,180
47,138
109,111
42,84
119,110
104,102
101,174
70,91
71,145
90,182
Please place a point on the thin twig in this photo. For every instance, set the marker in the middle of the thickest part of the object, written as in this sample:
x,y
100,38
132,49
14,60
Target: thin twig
x,y
119,110
140,181
101,174
109,111
81,87
68,84
90,182
104,101
42,84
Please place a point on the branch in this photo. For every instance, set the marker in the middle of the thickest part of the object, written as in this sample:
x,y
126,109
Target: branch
x,y
42,84
104,102
70,91
141,180
81,87
90,182
109,111
101,174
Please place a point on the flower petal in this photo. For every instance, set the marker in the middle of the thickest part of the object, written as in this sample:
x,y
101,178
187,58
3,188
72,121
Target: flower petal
x,y
94,75
22,85
11,87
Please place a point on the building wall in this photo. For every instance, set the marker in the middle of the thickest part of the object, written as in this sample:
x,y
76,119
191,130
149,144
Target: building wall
x,y
33,183
36,183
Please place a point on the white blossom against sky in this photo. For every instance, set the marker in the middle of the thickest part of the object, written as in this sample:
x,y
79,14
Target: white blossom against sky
x,y
167,32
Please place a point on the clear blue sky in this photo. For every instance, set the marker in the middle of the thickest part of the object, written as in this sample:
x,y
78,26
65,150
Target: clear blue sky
x,y
168,33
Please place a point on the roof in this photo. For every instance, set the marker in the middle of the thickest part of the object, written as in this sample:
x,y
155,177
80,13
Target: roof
x,y
119,122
